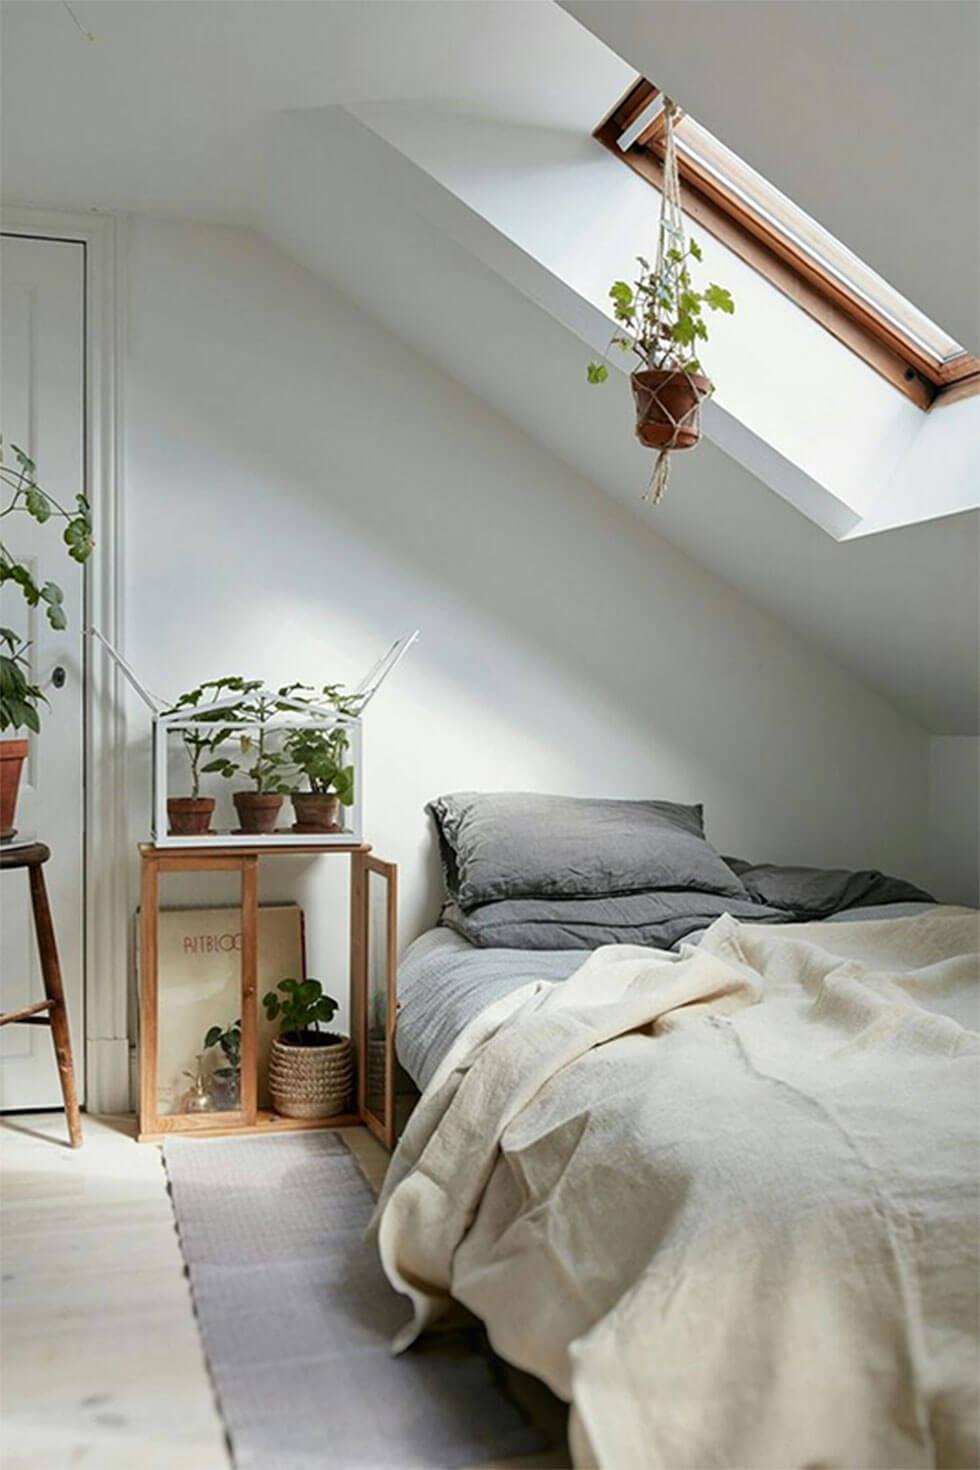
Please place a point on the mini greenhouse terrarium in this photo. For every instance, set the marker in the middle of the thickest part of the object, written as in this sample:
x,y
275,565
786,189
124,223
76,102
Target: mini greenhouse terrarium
x,y
238,763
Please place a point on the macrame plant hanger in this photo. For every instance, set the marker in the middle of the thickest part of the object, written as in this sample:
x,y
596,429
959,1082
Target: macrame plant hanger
x,y
677,407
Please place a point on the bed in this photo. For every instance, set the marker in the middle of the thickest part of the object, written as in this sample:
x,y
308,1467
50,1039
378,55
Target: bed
x,y
721,1195
444,982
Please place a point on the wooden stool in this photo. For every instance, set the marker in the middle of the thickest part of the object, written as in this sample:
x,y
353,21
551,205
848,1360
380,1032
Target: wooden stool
x,y
33,858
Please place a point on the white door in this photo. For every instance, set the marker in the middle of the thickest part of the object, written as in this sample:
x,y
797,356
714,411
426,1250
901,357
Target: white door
x,y
42,409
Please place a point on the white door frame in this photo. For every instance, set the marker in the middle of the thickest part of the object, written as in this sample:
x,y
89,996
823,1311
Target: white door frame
x,y
107,867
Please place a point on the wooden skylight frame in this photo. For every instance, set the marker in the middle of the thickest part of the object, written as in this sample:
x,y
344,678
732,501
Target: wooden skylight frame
x,y
633,132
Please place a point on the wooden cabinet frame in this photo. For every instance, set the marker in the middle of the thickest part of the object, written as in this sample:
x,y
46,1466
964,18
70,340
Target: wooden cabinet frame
x,y
249,1118
382,1124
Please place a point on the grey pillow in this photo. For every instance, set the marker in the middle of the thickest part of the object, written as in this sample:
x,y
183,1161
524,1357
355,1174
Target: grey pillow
x,y
509,844
659,918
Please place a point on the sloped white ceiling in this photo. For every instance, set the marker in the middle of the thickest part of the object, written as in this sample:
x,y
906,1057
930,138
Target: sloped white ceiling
x,y
179,106
900,609
865,112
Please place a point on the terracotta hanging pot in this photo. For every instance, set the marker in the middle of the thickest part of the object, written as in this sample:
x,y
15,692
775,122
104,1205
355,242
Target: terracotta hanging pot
x,y
13,753
257,810
190,816
668,407
316,811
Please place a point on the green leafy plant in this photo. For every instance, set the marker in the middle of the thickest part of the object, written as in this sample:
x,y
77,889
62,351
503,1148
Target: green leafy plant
x,y
320,756
198,741
229,1040
300,1007
661,315
265,766
19,698
19,481
273,770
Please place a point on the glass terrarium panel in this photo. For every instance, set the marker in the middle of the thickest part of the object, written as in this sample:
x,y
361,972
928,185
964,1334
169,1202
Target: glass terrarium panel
x,y
199,1010
377,1058
291,777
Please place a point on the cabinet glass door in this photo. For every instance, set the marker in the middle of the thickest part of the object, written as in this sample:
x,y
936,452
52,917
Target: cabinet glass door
x,y
378,904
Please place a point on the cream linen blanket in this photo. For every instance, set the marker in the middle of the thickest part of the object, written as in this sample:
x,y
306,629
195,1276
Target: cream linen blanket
x,y
724,1203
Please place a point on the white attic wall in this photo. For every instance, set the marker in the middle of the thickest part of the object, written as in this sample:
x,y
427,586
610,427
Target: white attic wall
x,y
954,819
318,486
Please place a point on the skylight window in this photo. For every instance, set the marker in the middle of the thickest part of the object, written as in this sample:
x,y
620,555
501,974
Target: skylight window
x,y
764,227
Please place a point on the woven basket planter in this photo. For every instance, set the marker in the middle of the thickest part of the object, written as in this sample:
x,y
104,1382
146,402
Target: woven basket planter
x,y
311,1081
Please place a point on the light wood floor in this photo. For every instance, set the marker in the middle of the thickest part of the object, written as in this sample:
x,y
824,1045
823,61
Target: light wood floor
x,y
102,1363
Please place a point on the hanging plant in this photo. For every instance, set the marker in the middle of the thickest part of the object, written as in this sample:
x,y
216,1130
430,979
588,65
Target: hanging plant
x,y
661,320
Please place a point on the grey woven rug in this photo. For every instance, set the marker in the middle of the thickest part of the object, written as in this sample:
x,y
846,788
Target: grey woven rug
x,y
297,1317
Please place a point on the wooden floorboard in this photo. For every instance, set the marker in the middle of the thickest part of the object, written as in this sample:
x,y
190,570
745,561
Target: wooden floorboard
x,y
102,1362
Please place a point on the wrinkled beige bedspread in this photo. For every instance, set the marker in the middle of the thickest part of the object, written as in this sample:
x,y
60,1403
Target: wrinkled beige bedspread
x,y
725,1203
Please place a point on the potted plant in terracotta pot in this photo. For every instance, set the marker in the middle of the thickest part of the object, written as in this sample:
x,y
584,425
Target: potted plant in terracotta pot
x,y
190,816
20,697
310,1071
19,700
265,765
661,322
320,755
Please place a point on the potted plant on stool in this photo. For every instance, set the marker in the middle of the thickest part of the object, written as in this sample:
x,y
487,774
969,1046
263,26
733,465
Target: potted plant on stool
x,y
320,754
310,1071
20,698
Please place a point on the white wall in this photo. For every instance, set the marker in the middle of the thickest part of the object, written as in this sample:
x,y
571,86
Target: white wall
x,y
954,819
301,487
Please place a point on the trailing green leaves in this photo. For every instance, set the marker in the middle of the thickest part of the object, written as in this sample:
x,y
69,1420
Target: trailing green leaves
x,y
661,315
19,479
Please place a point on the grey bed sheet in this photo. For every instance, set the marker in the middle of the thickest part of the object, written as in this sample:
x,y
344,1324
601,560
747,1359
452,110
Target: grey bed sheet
x,y
444,981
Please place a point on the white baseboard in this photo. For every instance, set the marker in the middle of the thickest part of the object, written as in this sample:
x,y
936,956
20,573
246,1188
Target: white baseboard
x,y
108,1073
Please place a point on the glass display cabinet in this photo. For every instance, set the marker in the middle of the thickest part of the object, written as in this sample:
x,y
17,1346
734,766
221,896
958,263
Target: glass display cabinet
x,y
375,919
194,1103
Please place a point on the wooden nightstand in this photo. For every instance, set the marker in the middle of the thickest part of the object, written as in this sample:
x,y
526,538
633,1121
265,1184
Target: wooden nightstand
x,y
373,962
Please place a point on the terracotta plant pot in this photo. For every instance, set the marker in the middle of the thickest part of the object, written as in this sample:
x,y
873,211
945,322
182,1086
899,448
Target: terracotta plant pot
x,y
311,1081
190,816
315,811
13,753
257,810
667,407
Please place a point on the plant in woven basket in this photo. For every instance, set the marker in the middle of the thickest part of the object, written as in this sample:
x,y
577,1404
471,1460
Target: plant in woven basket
x,y
299,1008
661,322
310,1071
